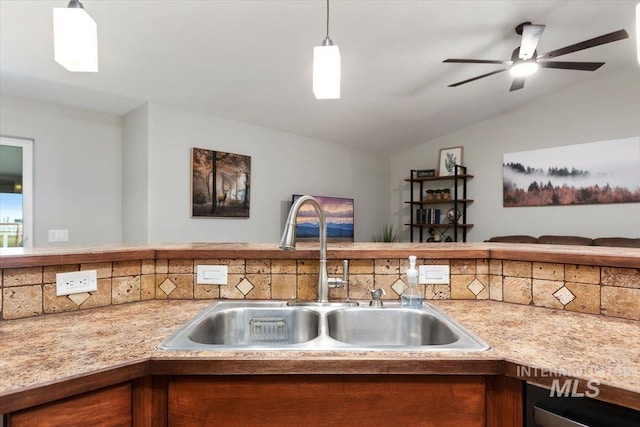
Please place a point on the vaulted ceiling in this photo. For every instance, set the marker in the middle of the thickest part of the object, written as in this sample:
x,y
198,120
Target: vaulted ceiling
x,y
251,61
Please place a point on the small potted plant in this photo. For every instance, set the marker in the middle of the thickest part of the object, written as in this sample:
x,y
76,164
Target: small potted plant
x,y
446,193
388,234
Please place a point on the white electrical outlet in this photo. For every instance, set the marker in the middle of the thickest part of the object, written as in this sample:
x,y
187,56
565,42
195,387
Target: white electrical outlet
x,y
211,275
433,274
58,235
76,282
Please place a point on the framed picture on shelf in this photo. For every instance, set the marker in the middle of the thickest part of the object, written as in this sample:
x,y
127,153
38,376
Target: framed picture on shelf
x,y
449,157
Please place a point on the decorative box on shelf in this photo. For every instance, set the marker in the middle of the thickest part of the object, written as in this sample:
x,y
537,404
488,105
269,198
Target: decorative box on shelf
x,y
426,173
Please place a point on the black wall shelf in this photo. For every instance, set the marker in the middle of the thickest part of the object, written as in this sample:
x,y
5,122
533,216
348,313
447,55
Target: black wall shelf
x,y
419,229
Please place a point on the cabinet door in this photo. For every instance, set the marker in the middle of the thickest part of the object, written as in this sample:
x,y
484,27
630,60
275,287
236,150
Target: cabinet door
x,y
106,407
345,400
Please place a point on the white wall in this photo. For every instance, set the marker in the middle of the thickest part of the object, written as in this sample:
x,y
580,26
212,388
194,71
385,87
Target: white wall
x,y
77,169
135,176
281,164
79,157
109,179
599,110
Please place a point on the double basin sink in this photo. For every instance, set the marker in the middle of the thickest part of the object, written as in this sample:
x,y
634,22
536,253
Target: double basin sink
x,y
274,325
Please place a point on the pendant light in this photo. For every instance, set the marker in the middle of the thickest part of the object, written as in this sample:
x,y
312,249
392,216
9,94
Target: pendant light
x,y
75,38
638,30
326,68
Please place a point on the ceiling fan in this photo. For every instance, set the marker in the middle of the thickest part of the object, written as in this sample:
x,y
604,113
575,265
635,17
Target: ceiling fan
x,y
525,60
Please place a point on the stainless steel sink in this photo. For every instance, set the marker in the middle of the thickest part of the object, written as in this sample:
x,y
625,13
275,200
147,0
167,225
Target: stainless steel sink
x,y
388,327
257,325
273,325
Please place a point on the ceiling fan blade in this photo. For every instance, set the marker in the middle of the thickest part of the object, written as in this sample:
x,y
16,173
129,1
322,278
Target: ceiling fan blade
x,y
477,61
530,37
582,66
517,84
607,38
478,77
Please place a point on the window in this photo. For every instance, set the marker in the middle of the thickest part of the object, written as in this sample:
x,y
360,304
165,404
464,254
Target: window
x,y
16,192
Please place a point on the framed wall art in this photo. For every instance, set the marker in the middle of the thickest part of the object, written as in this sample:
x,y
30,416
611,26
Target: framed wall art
x,y
220,184
448,159
338,212
593,173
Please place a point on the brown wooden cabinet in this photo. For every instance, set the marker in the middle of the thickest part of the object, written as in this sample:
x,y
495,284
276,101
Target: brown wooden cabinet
x,y
291,400
111,406
330,400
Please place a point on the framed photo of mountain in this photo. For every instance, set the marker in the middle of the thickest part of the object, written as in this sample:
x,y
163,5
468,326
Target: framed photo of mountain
x,y
339,215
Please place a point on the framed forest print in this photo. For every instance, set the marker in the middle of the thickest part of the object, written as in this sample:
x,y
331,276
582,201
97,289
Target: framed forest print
x,y
220,184
592,173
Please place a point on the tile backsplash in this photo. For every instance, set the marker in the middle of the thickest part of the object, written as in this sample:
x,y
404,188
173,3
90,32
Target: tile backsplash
x,y
606,291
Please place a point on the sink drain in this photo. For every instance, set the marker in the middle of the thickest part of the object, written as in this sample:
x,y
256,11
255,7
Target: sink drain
x,y
268,329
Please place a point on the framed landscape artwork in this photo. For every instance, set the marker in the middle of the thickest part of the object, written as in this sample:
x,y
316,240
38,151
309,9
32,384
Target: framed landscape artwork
x,y
448,159
220,184
593,173
339,215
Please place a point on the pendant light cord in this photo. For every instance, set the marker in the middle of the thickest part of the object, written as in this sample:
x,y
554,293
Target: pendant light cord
x,y
327,18
327,41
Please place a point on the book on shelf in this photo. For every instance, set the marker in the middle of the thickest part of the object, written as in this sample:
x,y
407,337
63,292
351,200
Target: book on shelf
x,y
428,216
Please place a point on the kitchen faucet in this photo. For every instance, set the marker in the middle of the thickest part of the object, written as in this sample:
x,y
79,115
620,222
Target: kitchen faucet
x,y
288,243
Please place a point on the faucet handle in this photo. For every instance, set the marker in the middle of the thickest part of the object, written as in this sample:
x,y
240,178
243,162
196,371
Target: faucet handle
x,y
345,271
335,282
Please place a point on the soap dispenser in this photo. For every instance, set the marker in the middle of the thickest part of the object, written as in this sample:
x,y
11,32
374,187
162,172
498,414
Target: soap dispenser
x,y
411,296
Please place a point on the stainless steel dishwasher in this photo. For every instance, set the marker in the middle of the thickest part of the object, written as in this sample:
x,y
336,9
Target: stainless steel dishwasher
x,y
545,411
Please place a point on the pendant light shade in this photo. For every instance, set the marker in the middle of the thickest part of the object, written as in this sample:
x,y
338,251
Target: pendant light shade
x,y
326,68
75,38
638,30
326,71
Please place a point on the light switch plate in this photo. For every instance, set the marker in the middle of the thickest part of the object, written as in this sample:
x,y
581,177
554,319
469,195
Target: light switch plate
x,y
433,274
211,275
76,282
58,235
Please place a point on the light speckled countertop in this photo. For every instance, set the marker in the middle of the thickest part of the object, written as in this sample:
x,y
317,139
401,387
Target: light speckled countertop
x,y
41,351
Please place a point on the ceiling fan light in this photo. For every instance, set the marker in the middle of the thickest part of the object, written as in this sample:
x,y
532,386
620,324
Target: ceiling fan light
x,y
524,68
75,39
326,72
